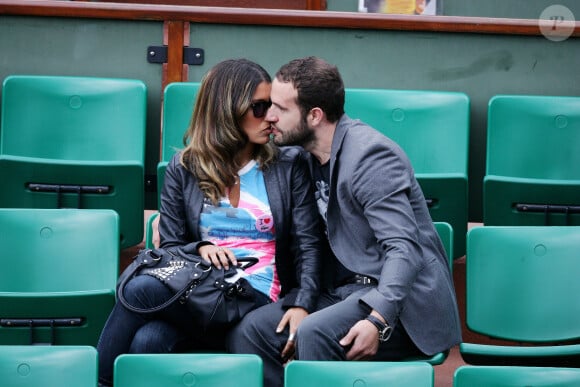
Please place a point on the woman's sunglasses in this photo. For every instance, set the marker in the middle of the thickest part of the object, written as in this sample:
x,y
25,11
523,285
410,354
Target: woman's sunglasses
x,y
259,108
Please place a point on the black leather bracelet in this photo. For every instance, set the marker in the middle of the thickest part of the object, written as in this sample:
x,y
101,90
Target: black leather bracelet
x,y
384,329
376,322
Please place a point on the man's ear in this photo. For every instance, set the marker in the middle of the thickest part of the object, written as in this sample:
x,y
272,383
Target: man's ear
x,y
316,116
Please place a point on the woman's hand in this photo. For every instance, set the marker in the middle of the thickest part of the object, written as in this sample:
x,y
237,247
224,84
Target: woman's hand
x,y
218,256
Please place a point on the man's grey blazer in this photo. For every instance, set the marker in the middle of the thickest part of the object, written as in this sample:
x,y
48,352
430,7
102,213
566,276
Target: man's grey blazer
x,y
379,226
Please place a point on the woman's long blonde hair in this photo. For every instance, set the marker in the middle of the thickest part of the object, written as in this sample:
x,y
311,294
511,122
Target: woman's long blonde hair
x,y
214,136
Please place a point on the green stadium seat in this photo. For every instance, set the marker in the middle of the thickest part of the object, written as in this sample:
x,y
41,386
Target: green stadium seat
x,y
445,232
59,273
522,286
433,129
48,366
514,376
188,369
178,103
149,231
299,373
75,142
532,172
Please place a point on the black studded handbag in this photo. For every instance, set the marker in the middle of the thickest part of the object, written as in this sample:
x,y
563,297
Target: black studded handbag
x,y
209,293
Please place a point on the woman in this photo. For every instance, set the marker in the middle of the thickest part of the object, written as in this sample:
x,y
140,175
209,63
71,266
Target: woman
x,y
229,194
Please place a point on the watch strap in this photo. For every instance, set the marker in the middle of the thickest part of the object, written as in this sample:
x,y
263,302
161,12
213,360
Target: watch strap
x,y
384,329
376,322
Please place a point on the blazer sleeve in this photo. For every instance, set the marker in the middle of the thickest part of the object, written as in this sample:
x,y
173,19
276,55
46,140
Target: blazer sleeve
x,y
384,188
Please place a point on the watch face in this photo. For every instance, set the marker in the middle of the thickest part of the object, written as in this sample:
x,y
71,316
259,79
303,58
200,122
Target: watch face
x,y
385,334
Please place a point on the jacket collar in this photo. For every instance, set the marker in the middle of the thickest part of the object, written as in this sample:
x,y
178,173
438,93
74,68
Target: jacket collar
x,y
337,141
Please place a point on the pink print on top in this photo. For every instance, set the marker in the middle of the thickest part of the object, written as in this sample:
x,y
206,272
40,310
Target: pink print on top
x,y
248,229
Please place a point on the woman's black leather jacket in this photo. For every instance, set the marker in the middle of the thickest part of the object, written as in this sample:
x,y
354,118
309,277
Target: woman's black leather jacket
x,y
296,221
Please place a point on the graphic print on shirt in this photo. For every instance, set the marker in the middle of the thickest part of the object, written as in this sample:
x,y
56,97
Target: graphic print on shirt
x,y
321,196
321,175
248,229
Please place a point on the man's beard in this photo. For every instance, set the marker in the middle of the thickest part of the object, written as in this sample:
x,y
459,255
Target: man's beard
x,y
301,136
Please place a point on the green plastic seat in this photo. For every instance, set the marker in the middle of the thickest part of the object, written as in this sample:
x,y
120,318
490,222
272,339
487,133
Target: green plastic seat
x,y
178,103
445,232
532,172
149,232
48,366
514,376
436,359
433,129
58,277
75,142
188,369
299,373
522,286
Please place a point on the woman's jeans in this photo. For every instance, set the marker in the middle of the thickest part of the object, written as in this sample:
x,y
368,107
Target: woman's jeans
x,y
171,330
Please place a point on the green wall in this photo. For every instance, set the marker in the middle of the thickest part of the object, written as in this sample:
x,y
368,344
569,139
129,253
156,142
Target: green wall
x,y
476,64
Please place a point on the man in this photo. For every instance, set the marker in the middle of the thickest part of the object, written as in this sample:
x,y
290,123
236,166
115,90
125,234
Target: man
x,y
391,294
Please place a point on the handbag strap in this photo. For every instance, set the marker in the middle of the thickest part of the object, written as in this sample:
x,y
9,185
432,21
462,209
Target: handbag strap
x,y
245,262
143,263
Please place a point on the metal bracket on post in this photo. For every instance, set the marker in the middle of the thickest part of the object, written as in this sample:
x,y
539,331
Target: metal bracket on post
x,y
191,55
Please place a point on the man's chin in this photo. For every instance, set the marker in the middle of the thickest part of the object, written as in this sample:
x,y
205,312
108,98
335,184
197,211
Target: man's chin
x,y
277,139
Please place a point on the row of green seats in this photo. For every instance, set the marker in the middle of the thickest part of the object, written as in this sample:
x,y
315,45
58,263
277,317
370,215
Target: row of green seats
x,y
380,374
414,119
531,174
79,142
532,160
52,366
521,285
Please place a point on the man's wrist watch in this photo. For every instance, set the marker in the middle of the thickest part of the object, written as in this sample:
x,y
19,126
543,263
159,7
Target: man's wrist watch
x,y
385,330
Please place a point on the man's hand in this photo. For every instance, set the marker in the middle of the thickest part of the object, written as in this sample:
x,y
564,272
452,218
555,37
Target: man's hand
x,y
363,339
293,317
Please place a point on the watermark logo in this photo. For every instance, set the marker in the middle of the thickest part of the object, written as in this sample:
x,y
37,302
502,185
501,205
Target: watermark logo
x,y
557,23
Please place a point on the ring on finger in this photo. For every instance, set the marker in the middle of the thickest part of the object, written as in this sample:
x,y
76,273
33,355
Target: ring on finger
x,y
291,337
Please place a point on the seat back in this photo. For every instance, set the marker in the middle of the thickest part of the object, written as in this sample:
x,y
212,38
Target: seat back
x,y
514,376
188,369
301,373
58,277
48,366
76,142
522,283
532,175
445,232
432,127
150,231
178,104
